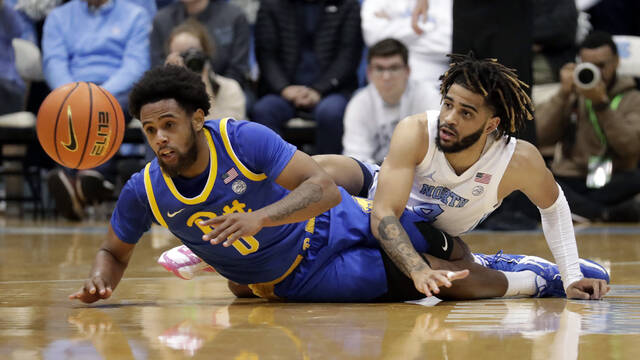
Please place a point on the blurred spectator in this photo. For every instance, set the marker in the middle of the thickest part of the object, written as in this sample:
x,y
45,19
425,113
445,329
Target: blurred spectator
x,y
554,38
617,17
375,110
101,41
226,24
427,50
190,45
599,131
308,52
12,88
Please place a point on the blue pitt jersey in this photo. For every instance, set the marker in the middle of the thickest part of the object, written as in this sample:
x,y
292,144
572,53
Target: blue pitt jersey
x,y
245,159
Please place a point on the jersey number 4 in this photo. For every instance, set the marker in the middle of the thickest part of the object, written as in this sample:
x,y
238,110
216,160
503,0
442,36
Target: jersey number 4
x,y
428,211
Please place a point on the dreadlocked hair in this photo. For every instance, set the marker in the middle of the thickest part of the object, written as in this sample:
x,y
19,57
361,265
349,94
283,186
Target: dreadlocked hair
x,y
498,84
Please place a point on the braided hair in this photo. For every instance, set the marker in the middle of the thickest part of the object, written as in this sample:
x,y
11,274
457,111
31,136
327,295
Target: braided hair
x,y
498,84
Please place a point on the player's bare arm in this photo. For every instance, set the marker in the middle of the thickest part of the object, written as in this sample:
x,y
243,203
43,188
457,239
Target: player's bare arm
x,y
408,147
528,173
312,192
108,267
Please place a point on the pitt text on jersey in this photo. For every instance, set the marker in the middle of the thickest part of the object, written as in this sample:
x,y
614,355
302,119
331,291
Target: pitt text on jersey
x,y
245,245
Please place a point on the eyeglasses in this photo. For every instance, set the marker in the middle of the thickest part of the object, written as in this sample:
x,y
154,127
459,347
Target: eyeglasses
x,y
392,70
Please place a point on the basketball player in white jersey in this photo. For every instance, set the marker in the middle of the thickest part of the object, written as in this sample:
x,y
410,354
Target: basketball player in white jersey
x,y
455,166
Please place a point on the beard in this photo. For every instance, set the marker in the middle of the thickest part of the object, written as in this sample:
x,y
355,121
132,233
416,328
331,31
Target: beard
x,y
184,160
461,144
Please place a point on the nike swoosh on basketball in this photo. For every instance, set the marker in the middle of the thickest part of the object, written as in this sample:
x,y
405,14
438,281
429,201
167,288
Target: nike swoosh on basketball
x,y
446,243
172,214
72,145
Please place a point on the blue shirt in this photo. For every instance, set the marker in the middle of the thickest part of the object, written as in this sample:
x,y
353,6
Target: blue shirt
x,y
246,158
109,47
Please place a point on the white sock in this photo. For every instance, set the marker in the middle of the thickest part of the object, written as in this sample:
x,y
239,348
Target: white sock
x,y
521,283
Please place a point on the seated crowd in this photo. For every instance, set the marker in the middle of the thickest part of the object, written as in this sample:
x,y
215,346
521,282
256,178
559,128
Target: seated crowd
x,y
354,68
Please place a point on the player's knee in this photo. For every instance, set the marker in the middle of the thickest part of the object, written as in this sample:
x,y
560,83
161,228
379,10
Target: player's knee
x,y
460,251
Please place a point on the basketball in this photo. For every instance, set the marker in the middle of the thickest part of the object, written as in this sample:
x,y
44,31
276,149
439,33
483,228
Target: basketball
x,y
80,125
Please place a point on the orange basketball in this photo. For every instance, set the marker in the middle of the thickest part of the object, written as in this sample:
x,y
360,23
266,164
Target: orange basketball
x,y
80,125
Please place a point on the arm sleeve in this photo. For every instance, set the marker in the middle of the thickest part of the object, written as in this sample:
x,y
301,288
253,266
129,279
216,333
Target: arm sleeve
x,y
357,140
260,148
55,54
132,216
558,231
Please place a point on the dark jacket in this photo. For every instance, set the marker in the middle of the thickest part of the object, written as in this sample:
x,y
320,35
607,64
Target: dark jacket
x,y
554,28
337,45
228,28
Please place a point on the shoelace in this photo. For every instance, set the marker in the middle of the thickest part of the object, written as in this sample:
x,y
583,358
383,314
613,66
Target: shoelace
x,y
495,258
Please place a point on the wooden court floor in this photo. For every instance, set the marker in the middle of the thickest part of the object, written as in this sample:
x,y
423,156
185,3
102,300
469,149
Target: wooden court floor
x,y
154,315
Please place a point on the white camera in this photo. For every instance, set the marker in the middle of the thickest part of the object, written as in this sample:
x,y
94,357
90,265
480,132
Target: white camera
x,y
586,75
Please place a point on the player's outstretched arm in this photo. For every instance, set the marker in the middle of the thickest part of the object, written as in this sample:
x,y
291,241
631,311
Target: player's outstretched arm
x,y
528,173
111,261
312,193
408,147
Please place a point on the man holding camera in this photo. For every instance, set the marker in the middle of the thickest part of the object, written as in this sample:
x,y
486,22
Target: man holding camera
x,y
595,121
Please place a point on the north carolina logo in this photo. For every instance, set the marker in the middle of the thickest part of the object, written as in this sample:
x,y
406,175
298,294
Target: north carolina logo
x,y
73,144
239,187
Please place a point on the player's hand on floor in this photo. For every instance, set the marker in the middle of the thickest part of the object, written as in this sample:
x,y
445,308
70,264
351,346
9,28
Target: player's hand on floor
x,y
428,281
588,289
94,289
230,227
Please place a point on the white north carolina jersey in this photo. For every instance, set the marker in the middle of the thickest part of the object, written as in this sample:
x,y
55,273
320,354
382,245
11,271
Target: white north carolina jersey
x,y
454,203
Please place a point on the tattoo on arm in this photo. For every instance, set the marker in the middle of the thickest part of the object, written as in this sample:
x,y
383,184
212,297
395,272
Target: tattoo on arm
x,y
395,242
298,199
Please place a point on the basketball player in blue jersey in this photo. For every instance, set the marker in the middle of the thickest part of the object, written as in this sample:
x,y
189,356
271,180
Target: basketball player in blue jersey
x,y
454,167
246,202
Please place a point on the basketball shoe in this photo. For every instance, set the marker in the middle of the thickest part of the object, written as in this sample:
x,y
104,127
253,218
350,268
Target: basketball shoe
x,y
549,282
183,263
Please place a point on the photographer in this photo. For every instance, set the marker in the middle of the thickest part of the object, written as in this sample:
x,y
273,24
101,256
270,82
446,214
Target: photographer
x,y
595,121
189,45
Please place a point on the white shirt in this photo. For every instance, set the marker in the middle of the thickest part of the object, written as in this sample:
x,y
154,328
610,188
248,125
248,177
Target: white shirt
x,y
369,122
427,51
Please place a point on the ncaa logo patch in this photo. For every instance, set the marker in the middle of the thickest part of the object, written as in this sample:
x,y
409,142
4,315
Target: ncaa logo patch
x,y
239,187
477,190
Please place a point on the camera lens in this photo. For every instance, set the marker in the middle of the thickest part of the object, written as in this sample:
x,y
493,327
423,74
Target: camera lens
x,y
586,75
194,59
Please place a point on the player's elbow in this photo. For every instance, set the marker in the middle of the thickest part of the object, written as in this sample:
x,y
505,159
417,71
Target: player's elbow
x,y
330,191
